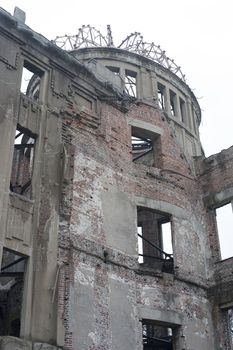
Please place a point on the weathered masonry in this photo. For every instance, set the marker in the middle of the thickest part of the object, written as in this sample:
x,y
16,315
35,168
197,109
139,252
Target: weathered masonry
x,y
108,233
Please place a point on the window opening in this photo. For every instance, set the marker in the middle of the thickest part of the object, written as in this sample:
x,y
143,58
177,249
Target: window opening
x,y
30,81
115,70
156,336
22,165
182,110
140,245
146,147
140,147
26,77
131,83
161,98
173,103
155,235
166,237
225,224
11,292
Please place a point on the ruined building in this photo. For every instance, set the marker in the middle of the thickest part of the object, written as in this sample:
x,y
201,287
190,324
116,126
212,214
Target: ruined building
x,y
108,232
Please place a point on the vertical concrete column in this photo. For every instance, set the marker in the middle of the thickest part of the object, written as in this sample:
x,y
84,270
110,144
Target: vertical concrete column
x,y
146,86
122,76
186,116
197,127
25,329
167,100
177,108
154,89
184,140
7,133
195,122
45,245
30,274
43,87
46,183
141,80
9,102
1,250
189,114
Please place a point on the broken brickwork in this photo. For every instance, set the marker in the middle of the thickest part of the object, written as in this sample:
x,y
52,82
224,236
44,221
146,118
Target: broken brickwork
x,y
106,162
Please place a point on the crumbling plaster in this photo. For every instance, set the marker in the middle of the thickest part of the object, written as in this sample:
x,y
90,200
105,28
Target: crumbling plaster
x,y
84,288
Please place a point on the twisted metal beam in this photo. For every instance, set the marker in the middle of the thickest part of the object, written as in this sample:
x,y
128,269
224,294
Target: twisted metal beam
x,y
134,43
87,36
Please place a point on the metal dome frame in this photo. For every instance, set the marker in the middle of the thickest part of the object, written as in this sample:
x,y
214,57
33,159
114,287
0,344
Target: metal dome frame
x,y
88,36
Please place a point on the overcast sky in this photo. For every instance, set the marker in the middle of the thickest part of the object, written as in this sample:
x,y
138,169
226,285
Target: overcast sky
x,y
198,35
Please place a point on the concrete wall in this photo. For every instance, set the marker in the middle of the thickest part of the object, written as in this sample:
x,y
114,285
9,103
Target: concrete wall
x,y
84,288
148,75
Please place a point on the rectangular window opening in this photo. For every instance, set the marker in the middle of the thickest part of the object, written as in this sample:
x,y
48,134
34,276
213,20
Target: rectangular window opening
x,y
31,81
166,234
115,70
11,292
140,245
22,165
173,107
131,83
155,239
157,336
141,147
224,217
161,98
146,147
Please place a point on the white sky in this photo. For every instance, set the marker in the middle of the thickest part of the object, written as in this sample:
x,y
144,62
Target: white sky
x,y
198,35
225,221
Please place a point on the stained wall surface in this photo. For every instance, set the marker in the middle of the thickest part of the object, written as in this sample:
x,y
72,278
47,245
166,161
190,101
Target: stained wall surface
x,y
77,226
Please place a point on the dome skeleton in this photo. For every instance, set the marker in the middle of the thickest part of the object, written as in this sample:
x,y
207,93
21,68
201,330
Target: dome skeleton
x,y
90,37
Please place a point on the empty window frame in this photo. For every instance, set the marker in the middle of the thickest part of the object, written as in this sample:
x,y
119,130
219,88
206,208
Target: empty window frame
x,y
224,218
11,292
140,244
131,83
173,103
154,231
146,147
166,236
22,164
161,95
31,81
115,70
157,336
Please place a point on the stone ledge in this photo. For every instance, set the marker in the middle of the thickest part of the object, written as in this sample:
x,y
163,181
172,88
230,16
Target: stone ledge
x,y
14,343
